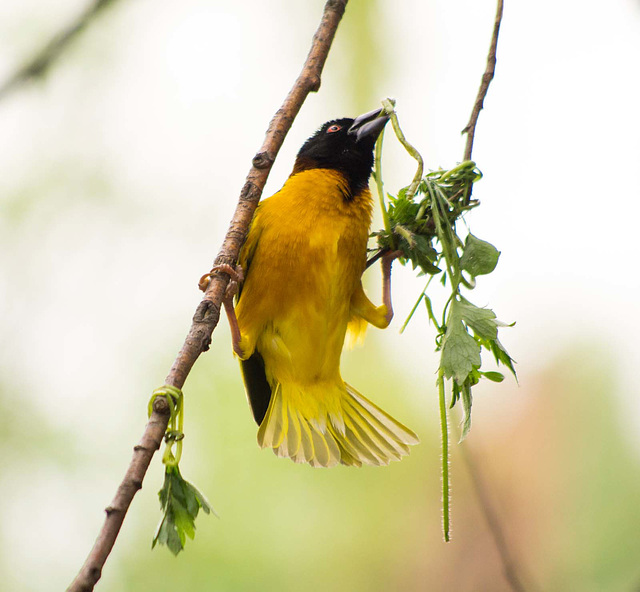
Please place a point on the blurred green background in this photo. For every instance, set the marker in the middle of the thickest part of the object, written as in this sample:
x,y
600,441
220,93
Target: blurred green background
x,y
118,176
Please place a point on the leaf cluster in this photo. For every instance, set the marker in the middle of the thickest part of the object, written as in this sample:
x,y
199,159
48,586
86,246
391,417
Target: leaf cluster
x,y
181,502
419,219
423,227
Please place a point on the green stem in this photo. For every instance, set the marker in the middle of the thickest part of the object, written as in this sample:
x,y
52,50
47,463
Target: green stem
x,y
432,317
413,310
415,306
443,231
460,167
180,428
168,459
406,234
174,433
380,187
444,429
445,310
389,106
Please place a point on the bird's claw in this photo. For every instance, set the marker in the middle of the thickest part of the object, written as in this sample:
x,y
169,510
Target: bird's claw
x,y
391,255
236,277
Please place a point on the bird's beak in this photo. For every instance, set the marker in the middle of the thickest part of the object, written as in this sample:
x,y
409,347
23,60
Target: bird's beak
x,y
369,124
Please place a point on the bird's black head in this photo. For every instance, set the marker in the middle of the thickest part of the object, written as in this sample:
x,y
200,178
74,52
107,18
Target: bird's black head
x,y
345,145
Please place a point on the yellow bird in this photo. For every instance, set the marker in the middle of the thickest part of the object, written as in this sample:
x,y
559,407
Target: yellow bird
x,y
303,261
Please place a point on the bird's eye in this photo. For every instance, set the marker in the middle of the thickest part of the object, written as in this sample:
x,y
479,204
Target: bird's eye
x,y
334,128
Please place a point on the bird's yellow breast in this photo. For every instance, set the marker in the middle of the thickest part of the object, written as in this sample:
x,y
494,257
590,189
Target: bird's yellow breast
x,y
304,257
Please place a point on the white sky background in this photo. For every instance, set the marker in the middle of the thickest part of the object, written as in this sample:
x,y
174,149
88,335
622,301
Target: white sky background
x,y
119,174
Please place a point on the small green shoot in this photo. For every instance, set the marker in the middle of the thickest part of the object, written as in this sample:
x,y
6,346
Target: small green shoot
x,y
180,500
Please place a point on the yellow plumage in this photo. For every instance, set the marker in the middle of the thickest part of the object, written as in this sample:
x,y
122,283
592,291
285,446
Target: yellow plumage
x,y
304,258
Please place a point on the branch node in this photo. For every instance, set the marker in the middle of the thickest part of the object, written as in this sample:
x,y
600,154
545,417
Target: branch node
x,y
313,82
161,406
204,310
262,160
95,573
250,193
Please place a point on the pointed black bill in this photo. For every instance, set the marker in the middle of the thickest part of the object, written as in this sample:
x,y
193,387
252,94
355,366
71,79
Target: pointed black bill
x,y
369,124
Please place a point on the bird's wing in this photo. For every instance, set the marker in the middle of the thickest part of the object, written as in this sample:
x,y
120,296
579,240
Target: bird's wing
x,y
256,385
253,373
249,248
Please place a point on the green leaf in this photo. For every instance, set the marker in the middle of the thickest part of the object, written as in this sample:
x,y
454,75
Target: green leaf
x,y
424,255
402,210
174,543
502,357
455,394
177,487
415,247
465,397
401,193
493,376
181,502
424,248
479,257
191,501
460,352
161,535
481,320
184,521
202,500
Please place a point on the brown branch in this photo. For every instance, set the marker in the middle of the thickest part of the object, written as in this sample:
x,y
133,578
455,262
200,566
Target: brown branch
x,y
41,62
487,77
208,312
491,516
509,564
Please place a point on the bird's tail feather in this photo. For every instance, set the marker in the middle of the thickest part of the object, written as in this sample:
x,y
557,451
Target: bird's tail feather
x,y
334,425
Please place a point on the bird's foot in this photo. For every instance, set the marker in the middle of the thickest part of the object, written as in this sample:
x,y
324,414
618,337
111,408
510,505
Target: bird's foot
x,y
389,257
236,277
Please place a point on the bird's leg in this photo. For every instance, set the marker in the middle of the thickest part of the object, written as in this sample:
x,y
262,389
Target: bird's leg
x,y
236,277
227,300
387,260
233,325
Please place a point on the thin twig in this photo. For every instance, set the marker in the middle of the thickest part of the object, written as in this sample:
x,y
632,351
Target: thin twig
x,y
44,58
509,565
375,257
487,77
208,312
490,515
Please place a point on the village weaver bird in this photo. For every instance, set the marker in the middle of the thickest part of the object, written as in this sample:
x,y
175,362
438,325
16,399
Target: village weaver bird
x,y
302,293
